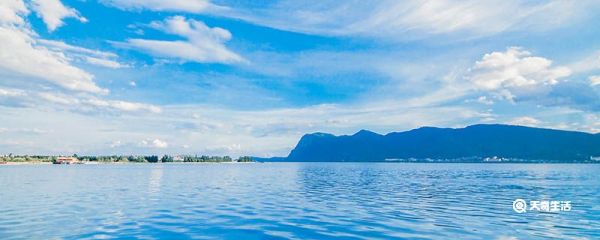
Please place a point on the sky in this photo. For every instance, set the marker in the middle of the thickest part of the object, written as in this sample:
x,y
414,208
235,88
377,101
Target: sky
x,y
251,77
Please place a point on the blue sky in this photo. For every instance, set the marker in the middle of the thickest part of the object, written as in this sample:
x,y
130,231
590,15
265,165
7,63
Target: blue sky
x,y
250,78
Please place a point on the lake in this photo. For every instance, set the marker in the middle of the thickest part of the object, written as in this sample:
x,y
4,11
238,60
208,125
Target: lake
x,y
297,200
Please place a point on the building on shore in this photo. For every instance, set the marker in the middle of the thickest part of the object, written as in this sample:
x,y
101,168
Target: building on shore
x,y
66,160
178,158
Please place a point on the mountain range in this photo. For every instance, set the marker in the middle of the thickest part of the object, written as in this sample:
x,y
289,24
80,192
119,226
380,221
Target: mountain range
x,y
482,142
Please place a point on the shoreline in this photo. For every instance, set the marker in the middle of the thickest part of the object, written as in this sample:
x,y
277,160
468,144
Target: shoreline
x,y
100,163
24,163
192,163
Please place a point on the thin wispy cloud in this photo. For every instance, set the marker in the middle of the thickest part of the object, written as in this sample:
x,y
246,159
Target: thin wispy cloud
x,y
192,6
407,20
203,44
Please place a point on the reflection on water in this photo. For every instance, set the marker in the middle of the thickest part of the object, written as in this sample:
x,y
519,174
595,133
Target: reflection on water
x,y
296,200
154,182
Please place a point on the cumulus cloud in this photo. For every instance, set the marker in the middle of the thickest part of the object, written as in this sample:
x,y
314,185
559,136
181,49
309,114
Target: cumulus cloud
x,y
22,55
53,12
518,76
513,71
25,58
12,11
203,44
192,6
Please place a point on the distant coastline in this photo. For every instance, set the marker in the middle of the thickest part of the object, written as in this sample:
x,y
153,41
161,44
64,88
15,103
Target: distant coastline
x,y
107,163
118,159
483,143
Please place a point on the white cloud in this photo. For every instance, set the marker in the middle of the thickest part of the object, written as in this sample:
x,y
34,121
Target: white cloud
x,y
156,143
115,144
25,60
104,62
62,46
485,100
518,76
24,56
525,121
83,103
4,92
20,54
204,44
59,98
11,97
514,69
52,13
94,57
11,12
122,105
192,6
594,80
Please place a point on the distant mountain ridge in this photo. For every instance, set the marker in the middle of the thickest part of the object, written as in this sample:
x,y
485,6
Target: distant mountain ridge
x,y
472,142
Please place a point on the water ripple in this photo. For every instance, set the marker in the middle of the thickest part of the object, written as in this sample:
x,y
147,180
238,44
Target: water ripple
x,y
296,201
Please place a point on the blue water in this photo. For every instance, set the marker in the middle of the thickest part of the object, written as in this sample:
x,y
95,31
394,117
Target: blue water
x,y
296,200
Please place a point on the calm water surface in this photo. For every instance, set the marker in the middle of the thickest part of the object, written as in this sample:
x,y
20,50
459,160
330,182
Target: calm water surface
x,y
296,200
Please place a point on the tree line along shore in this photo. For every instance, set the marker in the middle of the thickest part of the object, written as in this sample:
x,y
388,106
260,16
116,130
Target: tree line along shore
x,y
122,159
